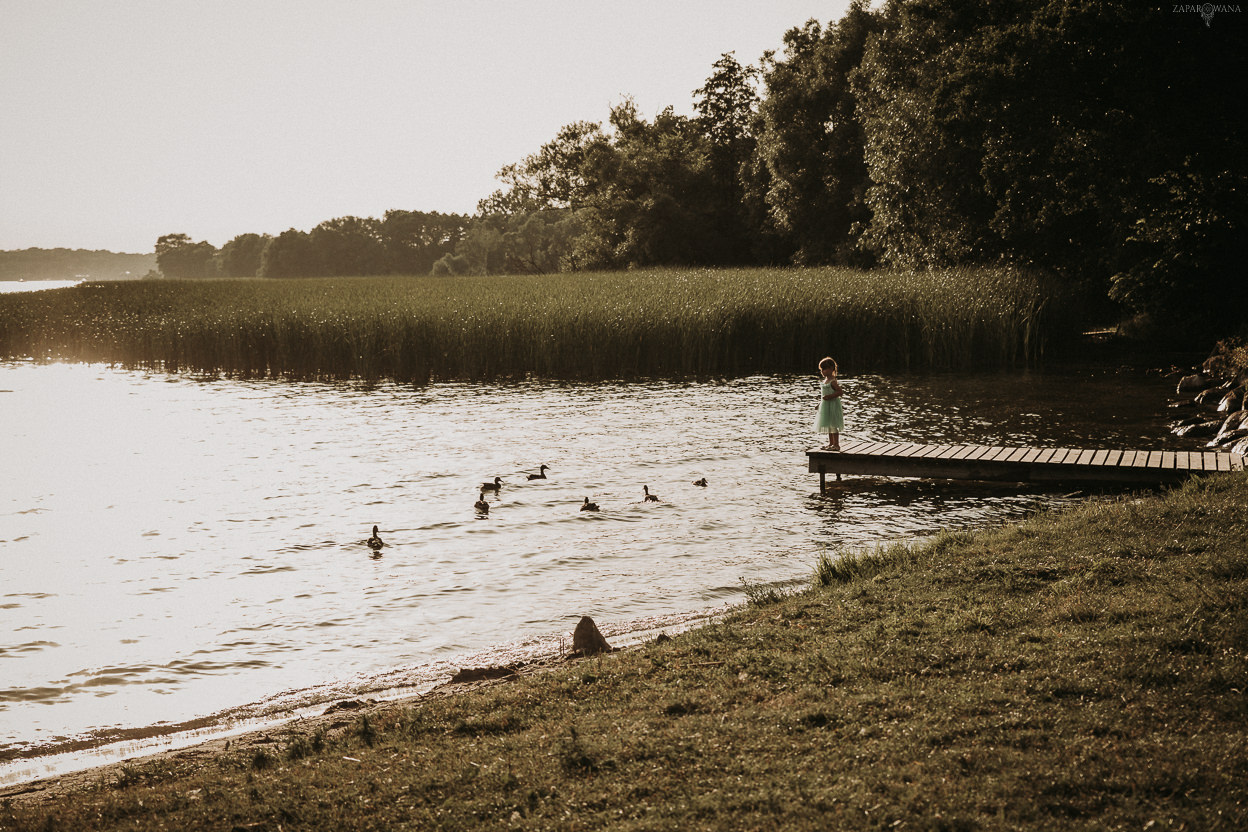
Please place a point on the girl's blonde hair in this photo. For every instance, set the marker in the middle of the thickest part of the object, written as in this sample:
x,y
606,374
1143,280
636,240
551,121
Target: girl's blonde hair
x,y
828,361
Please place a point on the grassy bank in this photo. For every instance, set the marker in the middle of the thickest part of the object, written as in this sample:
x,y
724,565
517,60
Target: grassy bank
x,y
1080,670
590,326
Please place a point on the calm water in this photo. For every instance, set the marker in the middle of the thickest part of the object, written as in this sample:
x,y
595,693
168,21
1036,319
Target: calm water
x,y
9,286
173,548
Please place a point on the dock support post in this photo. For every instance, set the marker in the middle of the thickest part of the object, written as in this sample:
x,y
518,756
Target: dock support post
x,y
823,480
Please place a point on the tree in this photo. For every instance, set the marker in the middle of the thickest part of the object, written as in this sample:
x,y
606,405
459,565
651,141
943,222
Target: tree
x,y
811,140
479,252
648,194
289,254
241,256
726,107
1080,137
641,196
550,178
178,257
414,240
541,242
1184,260
348,246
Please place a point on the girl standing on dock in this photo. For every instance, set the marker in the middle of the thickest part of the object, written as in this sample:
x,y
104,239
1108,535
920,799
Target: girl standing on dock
x,y
831,419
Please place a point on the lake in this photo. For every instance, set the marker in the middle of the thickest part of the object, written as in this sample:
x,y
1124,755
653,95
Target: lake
x,y
8,286
189,553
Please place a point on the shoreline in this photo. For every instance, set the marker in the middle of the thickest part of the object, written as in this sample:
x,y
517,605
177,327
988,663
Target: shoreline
x,y
334,716
138,744
1084,666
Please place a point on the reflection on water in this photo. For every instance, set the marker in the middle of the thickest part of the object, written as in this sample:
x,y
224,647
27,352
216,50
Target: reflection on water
x,y
172,547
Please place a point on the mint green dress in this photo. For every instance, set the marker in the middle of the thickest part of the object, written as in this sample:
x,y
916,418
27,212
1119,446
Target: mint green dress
x,y
830,419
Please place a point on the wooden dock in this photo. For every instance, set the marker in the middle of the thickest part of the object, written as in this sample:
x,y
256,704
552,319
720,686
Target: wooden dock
x,y
984,462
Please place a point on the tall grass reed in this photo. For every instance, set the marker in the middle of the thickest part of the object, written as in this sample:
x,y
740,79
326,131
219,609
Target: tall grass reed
x,y
571,326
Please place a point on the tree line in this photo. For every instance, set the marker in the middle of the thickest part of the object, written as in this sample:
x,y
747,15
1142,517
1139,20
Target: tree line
x,y
65,263
1099,140
402,242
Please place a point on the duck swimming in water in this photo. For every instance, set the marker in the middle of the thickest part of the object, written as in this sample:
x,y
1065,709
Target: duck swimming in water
x,y
540,476
588,506
650,498
492,486
374,542
481,505
701,482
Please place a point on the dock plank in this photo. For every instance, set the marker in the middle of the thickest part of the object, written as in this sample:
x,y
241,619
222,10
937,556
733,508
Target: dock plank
x,y
881,447
1031,456
864,448
1016,464
889,447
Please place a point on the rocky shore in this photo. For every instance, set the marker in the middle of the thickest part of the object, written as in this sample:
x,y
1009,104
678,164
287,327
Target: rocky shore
x,y
1217,393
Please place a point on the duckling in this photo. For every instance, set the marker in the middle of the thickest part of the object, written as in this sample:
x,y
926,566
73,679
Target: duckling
x,y
650,498
588,506
540,476
492,486
701,482
374,542
481,505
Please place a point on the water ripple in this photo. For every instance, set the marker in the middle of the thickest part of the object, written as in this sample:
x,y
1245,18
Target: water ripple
x,y
136,565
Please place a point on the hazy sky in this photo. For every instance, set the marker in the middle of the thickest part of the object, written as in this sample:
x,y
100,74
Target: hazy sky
x,y
124,120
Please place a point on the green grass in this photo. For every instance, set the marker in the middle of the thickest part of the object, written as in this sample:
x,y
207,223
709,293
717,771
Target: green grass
x,y
1083,669
579,326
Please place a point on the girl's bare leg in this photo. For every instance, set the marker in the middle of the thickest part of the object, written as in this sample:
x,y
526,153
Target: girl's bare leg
x,y
834,441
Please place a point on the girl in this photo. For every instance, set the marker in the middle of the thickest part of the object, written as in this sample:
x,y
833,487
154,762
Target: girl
x,y
830,420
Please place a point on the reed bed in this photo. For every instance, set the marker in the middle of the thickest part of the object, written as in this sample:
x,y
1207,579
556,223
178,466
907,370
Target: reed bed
x,y
573,326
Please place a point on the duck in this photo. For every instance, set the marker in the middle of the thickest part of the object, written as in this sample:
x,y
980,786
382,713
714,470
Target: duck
x,y
701,482
540,476
588,506
650,498
481,505
492,486
374,542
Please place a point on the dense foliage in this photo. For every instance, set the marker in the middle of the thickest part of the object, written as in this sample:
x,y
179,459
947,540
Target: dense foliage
x,y
1099,140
